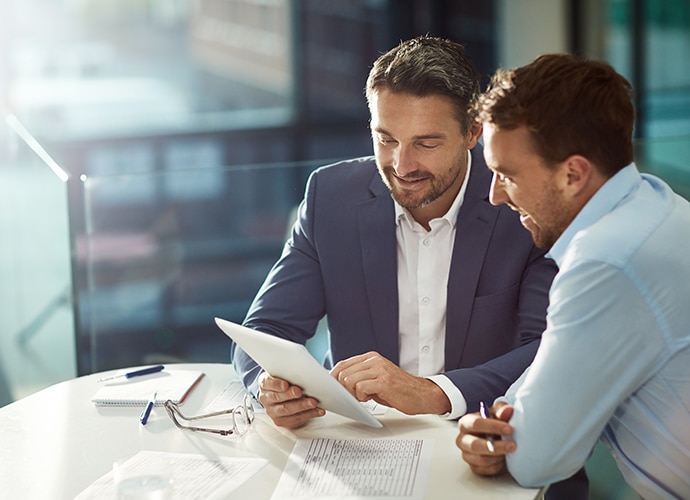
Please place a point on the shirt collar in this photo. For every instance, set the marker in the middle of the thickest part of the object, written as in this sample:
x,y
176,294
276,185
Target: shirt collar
x,y
451,215
604,201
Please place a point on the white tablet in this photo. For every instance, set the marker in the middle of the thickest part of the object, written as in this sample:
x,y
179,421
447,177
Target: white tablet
x,y
293,362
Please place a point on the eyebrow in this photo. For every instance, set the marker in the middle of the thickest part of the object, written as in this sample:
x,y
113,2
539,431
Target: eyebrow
x,y
497,169
505,173
422,137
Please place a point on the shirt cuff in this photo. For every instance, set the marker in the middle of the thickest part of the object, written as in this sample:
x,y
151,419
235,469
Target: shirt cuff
x,y
458,405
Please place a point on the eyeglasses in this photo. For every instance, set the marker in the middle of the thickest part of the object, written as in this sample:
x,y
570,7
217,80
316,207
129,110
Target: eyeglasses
x,y
242,417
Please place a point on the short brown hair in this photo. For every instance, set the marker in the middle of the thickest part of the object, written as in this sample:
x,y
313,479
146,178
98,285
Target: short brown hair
x,y
426,66
569,105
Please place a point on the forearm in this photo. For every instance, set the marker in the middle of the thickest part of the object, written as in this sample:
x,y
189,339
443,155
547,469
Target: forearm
x,y
246,369
490,380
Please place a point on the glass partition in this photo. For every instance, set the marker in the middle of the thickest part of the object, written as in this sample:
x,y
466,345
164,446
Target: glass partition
x,y
37,331
160,253
134,263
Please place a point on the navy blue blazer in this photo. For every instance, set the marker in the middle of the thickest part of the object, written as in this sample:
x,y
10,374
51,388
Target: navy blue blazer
x,y
340,261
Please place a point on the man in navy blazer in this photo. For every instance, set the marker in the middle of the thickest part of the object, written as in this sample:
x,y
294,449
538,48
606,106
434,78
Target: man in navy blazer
x,y
435,299
341,261
422,332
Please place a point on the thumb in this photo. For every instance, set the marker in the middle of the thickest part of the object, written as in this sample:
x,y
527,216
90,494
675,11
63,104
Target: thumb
x,y
504,412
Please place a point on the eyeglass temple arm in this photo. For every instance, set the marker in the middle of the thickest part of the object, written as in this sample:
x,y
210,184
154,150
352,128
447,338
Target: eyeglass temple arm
x,y
172,411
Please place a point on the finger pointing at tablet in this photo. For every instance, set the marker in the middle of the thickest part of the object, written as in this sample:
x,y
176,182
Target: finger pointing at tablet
x,y
372,376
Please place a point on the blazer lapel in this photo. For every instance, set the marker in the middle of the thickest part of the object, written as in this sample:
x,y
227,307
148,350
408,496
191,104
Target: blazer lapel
x,y
476,220
379,257
475,224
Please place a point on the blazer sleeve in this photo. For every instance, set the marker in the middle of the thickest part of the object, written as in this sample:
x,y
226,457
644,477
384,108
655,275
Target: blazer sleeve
x,y
290,302
489,380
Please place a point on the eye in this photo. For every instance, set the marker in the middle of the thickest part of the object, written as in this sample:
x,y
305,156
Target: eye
x,y
428,146
503,178
385,141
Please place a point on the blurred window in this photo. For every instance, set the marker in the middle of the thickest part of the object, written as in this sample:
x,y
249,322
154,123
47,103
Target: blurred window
x,y
77,69
647,41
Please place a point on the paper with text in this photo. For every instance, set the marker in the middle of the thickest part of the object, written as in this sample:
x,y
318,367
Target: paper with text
x,y
193,476
382,469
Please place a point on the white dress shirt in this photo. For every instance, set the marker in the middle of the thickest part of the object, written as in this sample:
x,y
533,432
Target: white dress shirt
x,y
423,266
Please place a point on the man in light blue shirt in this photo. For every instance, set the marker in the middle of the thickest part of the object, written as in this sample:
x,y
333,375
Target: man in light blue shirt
x,y
614,361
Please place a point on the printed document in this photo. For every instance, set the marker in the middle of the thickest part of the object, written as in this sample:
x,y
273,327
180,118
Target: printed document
x,y
192,476
382,469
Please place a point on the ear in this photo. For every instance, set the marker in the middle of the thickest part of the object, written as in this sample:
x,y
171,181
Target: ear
x,y
577,172
473,134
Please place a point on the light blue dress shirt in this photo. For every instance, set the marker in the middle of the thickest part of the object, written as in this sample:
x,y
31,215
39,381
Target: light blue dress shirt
x,y
614,361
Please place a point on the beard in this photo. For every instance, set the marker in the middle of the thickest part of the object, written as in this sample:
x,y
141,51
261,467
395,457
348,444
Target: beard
x,y
544,238
556,218
436,185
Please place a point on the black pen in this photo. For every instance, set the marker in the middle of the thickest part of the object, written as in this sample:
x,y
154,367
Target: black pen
x,y
484,412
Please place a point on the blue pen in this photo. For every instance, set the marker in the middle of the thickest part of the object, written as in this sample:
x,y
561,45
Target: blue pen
x,y
144,417
135,373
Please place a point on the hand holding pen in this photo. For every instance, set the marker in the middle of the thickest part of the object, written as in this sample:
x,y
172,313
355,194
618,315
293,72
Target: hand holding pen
x,y
484,439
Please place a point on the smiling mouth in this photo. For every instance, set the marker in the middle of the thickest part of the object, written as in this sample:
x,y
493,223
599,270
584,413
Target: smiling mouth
x,y
409,180
524,216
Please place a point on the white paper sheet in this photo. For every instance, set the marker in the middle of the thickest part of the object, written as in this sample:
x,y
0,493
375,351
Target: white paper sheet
x,y
193,476
381,469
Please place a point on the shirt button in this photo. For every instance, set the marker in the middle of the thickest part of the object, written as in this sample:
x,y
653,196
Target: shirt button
x,y
426,300
426,349
426,242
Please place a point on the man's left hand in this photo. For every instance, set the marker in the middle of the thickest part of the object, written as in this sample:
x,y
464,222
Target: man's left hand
x,y
371,376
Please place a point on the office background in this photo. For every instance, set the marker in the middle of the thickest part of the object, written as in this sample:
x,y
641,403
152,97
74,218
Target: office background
x,y
157,148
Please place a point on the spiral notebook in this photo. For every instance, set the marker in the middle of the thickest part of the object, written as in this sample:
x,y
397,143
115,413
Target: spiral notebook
x,y
169,384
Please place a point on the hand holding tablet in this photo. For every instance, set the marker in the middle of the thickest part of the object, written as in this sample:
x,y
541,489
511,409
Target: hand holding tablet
x,y
293,362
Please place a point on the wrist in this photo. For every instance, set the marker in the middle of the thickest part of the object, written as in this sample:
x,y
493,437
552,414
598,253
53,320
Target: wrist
x,y
439,403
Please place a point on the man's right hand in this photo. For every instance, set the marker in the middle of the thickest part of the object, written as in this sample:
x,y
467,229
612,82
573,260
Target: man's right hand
x,y
285,403
472,440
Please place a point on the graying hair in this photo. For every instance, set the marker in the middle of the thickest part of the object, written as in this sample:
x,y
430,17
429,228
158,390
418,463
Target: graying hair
x,y
426,66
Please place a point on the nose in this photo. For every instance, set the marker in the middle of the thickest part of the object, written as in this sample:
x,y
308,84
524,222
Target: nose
x,y
403,161
497,193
